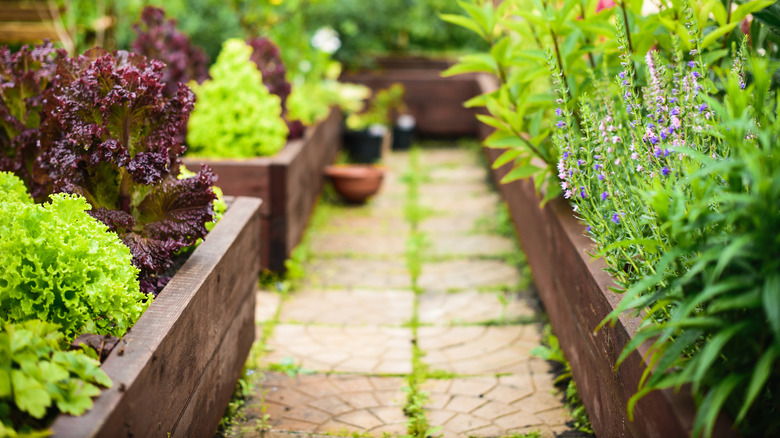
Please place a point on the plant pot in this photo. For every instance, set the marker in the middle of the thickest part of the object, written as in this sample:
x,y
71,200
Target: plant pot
x,y
175,371
365,146
355,183
403,132
289,184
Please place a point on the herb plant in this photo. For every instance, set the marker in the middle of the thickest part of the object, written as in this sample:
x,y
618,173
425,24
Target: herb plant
x,y
161,40
36,377
679,191
236,116
63,266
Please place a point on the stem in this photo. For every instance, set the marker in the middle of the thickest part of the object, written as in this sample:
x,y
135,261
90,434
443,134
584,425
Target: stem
x,y
628,32
587,40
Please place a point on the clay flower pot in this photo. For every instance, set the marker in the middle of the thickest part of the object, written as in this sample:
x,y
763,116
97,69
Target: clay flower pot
x,y
355,182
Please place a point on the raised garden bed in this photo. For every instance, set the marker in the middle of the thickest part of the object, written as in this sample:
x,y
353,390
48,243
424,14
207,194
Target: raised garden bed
x,y
175,371
435,102
289,184
575,291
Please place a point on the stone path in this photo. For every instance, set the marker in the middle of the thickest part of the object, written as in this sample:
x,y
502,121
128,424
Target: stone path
x,y
343,346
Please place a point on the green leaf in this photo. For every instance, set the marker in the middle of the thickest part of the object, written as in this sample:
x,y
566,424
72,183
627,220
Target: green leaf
x,y
519,173
717,33
749,7
508,156
712,404
477,63
465,22
761,374
771,298
30,395
5,383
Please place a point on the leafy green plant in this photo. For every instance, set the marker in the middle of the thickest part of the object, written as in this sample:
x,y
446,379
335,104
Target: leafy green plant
x,y
519,33
235,115
37,378
381,107
63,266
393,27
716,275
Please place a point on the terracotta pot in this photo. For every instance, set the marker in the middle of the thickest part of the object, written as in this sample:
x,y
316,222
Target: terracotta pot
x,y
355,182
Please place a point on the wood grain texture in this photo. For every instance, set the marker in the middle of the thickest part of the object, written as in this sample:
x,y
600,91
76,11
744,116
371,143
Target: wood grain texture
x,y
289,184
574,290
163,365
435,102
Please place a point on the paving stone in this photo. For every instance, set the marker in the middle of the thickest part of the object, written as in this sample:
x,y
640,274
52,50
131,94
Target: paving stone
x,y
475,350
479,245
454,190
362,349
467,274
324,404
367,221
486,204
354,245
266,303
447,157
479,407
354,307
443,308
356,273
459,174
463,223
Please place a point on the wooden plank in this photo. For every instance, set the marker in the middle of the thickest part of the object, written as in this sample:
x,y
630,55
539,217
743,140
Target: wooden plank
x,y
215,389
27,32
157,365
436,102
27,11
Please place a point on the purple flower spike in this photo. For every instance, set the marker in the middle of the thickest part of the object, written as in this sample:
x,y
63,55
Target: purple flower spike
x,y
565,154
702,107
601,177
604,196
665,171
596,166
558,112
622,75
580,162
561,124
691,64
582,192
616,218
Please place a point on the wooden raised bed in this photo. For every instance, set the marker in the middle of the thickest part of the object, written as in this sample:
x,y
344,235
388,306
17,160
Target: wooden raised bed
x,y
575,291
435,102
175,371
289,184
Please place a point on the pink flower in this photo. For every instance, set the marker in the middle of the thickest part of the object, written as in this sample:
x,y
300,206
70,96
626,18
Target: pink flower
x,y
604,4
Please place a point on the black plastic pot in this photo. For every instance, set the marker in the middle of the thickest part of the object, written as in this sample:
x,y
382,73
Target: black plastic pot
x,y
364,146
402,138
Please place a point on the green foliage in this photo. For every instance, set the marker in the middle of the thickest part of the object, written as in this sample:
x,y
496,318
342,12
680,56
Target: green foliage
x,y
12,189
36,377
716,278
392,27
235,116
383,105
207,22
61,265
519,33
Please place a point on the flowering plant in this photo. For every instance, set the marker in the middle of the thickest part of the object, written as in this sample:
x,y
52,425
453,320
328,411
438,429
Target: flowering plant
x,y
677,188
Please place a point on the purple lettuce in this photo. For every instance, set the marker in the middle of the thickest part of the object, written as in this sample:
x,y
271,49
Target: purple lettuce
x,y
24,76
110,134
159,39
266,55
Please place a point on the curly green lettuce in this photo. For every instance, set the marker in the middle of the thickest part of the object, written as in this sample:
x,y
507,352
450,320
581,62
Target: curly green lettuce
x,y
63,266
235,115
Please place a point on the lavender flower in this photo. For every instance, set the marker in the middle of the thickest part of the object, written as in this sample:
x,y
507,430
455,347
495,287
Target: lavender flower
x,y
616,218
558,112
604,196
